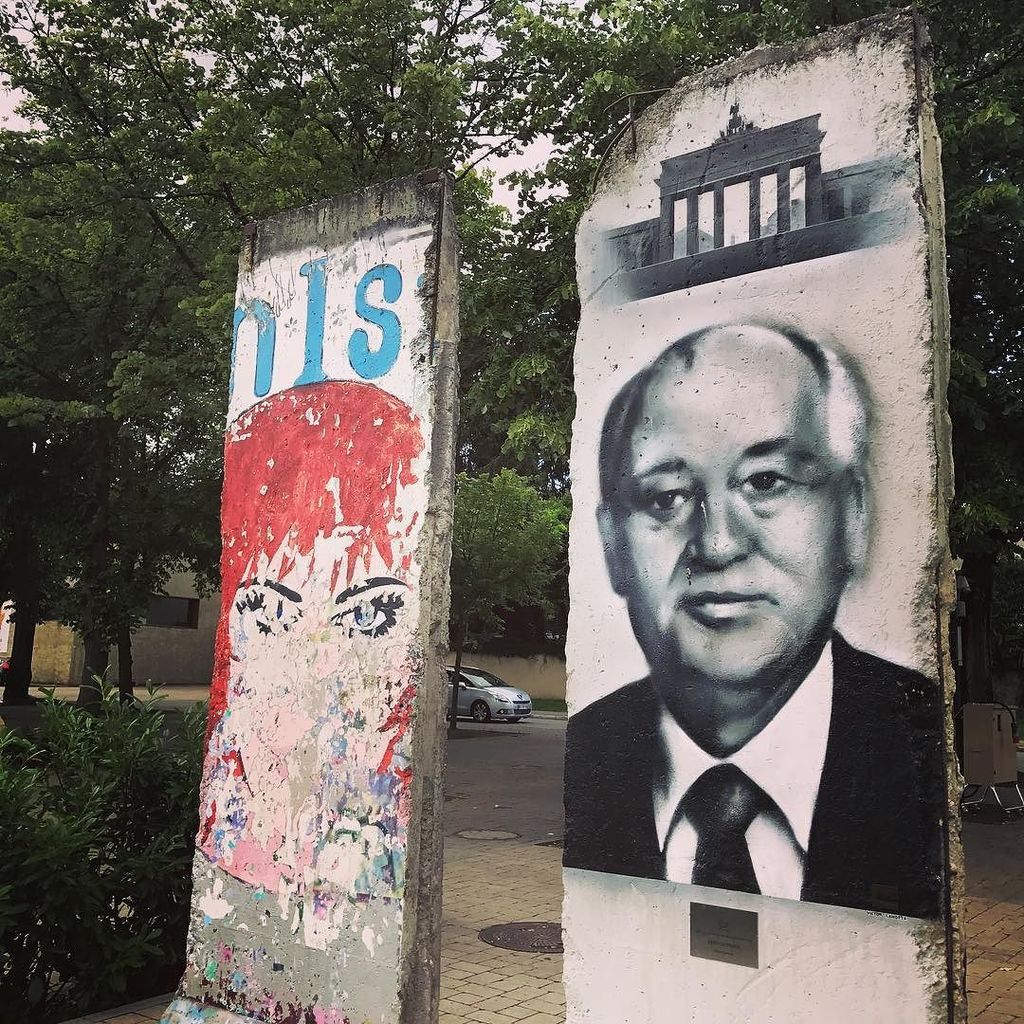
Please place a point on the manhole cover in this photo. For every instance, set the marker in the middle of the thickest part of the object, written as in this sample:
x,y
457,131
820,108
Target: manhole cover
x,y
486,833
525,936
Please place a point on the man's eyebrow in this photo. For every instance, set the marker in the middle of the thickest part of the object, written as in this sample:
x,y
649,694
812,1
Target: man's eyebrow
x,y
371,584
790,445
676,465
279,588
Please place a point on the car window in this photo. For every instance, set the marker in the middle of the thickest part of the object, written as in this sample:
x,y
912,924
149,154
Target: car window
x,y
479,679
490,679
477,682
486,680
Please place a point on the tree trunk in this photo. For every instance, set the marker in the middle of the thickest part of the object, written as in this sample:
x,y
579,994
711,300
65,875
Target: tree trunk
x,y
125,682
979,571
23,579
97,654
94,668
460,638
19,675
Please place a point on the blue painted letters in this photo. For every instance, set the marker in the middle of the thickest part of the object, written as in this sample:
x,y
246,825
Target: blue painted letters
x,y
369,362
316,302
266,334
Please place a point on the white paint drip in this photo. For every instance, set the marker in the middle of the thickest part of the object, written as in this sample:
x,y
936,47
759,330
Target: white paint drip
x,y
213,905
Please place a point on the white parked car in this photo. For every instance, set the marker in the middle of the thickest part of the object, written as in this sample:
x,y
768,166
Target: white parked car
x,y
484,697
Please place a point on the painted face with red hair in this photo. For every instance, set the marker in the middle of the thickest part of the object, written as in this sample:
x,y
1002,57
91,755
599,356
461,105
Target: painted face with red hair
x,y
306,774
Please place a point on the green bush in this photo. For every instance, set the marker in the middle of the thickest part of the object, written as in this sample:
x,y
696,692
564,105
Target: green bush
x,y
99,811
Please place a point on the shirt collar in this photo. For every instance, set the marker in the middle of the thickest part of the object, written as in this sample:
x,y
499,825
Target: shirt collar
x,y
785,758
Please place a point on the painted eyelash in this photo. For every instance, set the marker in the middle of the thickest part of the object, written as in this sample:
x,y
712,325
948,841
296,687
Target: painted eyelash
x,y
386,604
256,601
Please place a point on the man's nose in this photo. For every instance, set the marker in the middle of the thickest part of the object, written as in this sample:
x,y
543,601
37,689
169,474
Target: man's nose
x,y
718,536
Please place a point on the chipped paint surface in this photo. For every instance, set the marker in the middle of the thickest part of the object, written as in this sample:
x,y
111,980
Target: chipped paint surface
x,y
299,879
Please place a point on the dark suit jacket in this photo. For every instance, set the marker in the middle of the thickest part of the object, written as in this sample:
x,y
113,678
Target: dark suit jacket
x,y
877,836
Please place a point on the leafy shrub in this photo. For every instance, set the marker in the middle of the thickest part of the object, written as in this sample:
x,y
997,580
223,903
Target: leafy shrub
x,y
1008,612
99,811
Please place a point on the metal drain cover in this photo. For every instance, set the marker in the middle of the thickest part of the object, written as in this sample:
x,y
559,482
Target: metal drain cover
x,y
525,936
486,833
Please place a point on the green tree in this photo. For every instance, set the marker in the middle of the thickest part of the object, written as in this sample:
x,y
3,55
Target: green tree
x,y
606,61
980,101
104,383
122,206
169,153
507,542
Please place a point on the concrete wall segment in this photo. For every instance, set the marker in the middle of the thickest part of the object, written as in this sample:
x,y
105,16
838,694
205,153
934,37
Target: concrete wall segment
x,y
317,872
861,275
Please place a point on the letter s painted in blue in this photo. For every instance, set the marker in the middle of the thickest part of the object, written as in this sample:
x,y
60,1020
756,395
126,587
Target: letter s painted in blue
x,y
370,363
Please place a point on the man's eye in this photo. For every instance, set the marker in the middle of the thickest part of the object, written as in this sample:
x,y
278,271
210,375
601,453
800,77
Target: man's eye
x,y
370,615
767,482
667,501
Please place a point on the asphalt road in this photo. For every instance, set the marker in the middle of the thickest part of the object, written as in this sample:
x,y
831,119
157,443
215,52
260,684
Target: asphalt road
x,y
506,777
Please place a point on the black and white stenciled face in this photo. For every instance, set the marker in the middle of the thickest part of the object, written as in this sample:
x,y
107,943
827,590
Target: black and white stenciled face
x,y
732,542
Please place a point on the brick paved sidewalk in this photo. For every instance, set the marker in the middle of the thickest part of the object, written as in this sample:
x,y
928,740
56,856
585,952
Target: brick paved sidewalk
x,y
496,882
995,921
489,883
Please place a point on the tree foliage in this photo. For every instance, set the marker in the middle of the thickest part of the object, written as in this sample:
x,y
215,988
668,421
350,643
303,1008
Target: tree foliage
x,y
157,130
155,133
506,547
606,61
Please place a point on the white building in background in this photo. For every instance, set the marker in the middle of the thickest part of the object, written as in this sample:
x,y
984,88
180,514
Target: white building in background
x,y
174,646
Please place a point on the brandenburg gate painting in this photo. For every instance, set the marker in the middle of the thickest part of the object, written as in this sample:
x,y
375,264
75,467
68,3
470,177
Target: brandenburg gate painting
x,y
753,199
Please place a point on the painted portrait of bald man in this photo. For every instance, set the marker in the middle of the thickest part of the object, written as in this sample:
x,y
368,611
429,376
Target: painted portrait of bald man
x,y
762,753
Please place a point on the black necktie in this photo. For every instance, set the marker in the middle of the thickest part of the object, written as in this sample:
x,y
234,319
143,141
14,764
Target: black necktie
x,y
720,806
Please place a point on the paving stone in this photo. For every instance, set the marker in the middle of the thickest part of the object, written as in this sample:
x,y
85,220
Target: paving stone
x,y
995,922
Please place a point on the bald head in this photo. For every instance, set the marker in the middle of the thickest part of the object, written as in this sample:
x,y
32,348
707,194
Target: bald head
x,y
733,513
764,353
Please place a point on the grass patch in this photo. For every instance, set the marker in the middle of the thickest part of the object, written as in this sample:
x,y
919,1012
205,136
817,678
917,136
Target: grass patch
x,y
547,704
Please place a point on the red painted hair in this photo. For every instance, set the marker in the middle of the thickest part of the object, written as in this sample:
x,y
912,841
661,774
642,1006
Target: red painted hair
x,y
280,459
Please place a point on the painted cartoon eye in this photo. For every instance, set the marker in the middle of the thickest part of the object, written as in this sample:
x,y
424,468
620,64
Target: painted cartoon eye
x,y
370,608
273,607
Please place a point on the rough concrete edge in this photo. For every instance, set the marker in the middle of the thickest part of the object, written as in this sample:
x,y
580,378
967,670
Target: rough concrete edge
x,y
880,27
370,207
419,980
933,208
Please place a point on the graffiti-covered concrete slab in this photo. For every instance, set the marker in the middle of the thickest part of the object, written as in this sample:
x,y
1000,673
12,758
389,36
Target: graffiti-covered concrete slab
x,y
317,871
757,753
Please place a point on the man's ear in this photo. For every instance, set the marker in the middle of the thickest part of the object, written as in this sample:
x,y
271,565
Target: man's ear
x,y
609,525
857,525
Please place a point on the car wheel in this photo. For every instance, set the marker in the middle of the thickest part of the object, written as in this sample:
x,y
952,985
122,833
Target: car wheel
x,y
480,711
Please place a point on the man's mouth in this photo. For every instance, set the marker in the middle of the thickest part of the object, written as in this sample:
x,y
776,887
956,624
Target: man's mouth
x,y
722,607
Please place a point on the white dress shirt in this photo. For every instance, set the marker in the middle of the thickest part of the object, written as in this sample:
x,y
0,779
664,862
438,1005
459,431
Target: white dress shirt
x,y
785,759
